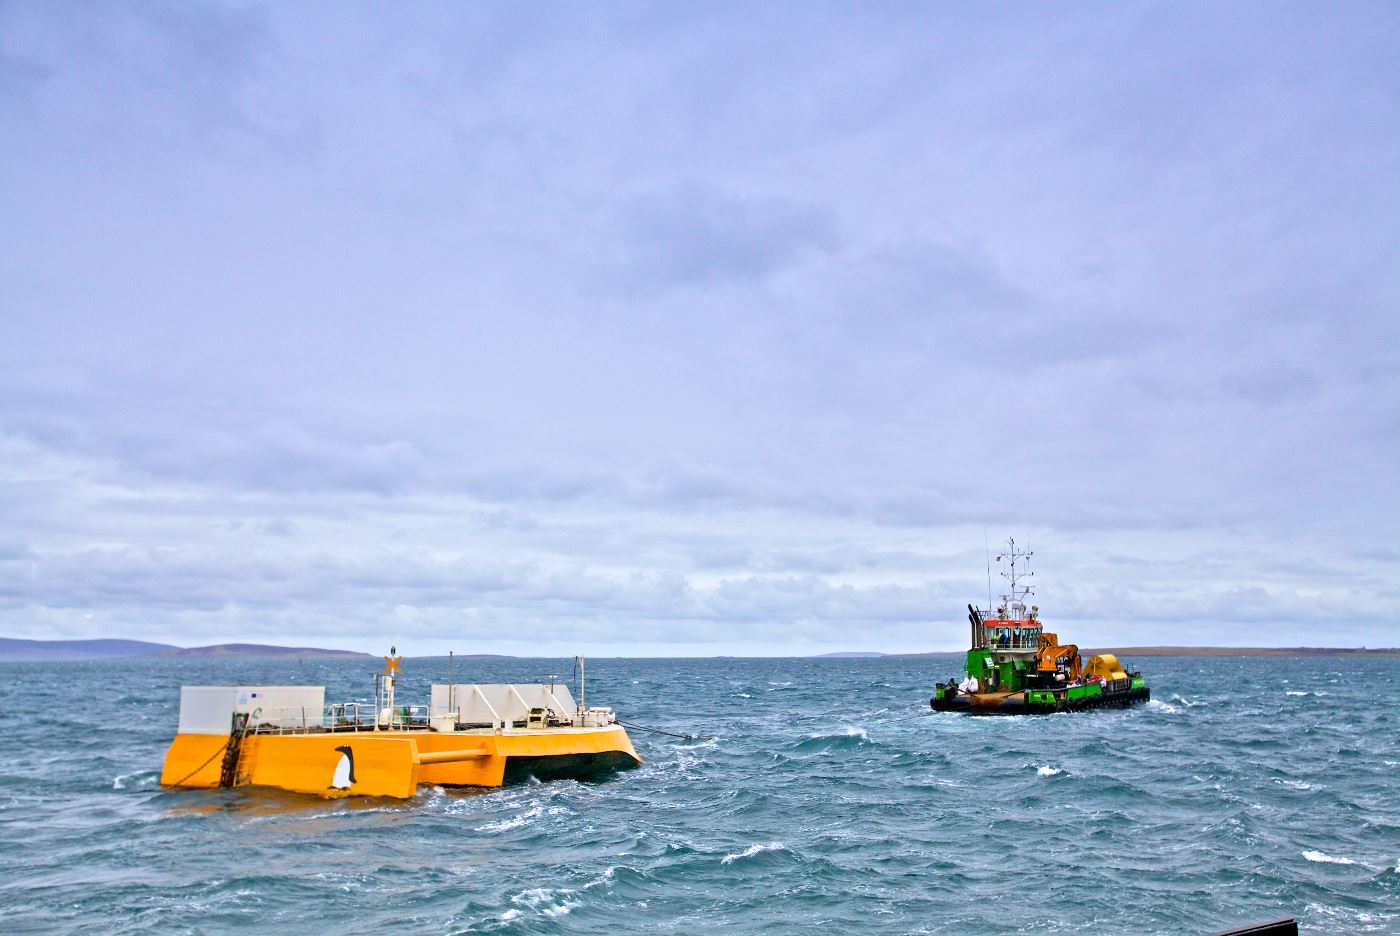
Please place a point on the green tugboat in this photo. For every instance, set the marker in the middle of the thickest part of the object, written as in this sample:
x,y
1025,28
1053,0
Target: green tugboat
x,y
1016,667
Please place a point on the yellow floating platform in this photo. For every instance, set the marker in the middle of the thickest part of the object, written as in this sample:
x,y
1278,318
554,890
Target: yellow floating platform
x,y
479,736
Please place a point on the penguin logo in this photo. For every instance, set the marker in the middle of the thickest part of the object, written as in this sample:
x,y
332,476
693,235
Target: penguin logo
x,y
344,769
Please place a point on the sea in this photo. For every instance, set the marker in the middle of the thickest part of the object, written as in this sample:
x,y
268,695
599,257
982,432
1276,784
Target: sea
x,y
817,796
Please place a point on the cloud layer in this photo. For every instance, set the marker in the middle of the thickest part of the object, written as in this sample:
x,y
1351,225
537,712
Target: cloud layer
x,y
646,330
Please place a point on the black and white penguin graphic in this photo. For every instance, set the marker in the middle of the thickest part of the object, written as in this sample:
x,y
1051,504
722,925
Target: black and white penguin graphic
x,y
344,769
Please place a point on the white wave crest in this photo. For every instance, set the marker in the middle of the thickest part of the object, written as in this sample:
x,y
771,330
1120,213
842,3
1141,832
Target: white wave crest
x,y
1165,708
1296,692
750,852
1325,858
120,782
515,822
1047,771
543,900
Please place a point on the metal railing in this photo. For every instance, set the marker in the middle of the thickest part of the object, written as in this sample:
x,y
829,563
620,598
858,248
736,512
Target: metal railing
x,y
337,717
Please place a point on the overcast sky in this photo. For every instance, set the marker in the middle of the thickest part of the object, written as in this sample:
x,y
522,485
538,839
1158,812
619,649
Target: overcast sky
x,y
698,328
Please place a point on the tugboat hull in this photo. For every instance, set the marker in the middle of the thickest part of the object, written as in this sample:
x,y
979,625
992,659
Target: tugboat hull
x,y
1038,702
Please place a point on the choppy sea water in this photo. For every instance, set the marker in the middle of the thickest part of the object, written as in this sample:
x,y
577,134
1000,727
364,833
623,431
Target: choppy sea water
x,y
830,800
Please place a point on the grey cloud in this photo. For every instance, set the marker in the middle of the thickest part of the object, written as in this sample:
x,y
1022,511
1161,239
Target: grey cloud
x,y
1271,384
695,236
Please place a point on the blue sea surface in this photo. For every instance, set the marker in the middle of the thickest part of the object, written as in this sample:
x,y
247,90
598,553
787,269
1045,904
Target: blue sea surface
x,y
830,800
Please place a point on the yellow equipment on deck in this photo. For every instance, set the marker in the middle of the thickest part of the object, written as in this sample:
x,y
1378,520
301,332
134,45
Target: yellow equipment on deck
x,y
1051,652
1104,666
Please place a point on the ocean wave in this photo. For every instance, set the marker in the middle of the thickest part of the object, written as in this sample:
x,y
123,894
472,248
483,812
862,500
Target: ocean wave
x,y
1325,858
133,781
1157,705
545,901
1294,784
751,851
848,739
1046,770
516,821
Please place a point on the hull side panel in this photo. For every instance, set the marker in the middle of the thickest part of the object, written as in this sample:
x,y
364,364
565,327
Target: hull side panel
x,y
194,760
390,763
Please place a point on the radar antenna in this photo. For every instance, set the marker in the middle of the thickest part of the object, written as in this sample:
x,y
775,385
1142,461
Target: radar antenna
x,y
1013,604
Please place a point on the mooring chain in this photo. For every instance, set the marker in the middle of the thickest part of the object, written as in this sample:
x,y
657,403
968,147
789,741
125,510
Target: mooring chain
x,y
221,750
669,734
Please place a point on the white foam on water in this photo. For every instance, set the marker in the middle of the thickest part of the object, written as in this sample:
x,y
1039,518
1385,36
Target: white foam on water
x,y
1047,771
121,782
543,900
1165,708
514,822
750,852
1295,784
857,733
1295,692
608,874
1324,858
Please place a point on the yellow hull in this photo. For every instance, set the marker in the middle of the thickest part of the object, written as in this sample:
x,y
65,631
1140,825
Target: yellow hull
x,y
388,763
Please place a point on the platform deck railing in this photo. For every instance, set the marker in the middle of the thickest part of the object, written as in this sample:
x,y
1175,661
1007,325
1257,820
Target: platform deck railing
x,y
338,716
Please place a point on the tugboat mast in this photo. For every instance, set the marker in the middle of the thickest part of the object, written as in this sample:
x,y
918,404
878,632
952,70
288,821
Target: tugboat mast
x,y
1012,605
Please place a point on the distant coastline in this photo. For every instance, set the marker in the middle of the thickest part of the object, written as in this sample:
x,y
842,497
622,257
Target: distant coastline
x,y
53,651
21,650
1248,651
1165,651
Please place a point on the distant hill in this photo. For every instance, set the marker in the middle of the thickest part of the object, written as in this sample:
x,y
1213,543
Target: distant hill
x,y
16,649
259,650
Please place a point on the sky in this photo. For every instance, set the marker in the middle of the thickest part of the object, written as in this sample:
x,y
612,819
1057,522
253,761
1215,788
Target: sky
x,y
698,329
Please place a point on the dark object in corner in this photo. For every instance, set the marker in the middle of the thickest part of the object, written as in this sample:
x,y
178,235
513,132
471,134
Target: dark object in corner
x,y
1284,927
